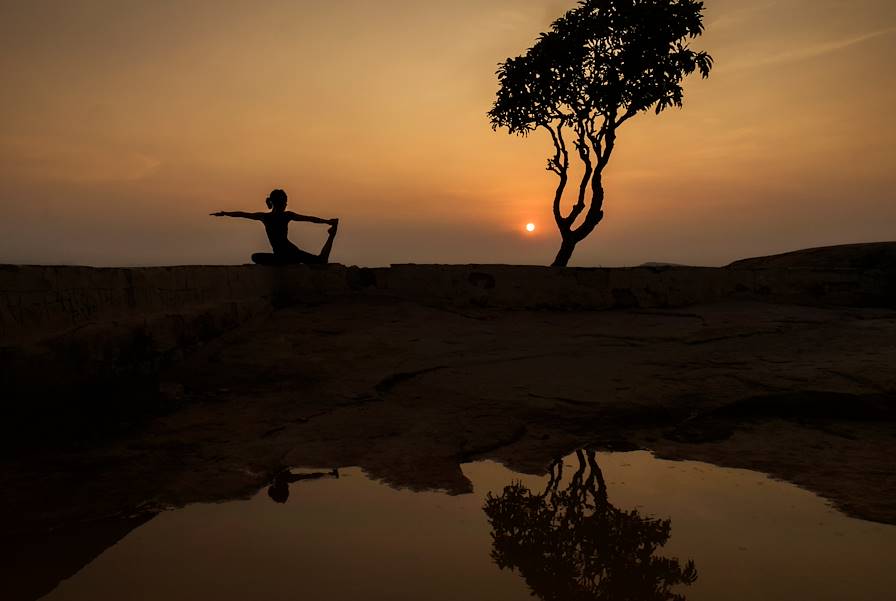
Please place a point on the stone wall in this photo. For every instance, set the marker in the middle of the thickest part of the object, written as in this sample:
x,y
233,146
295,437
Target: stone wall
x,y
39,302
519,287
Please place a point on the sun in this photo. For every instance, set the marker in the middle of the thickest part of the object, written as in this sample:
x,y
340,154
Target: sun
x,y
530,227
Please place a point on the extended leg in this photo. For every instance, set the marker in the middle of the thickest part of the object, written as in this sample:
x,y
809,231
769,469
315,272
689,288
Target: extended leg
x,y
328,245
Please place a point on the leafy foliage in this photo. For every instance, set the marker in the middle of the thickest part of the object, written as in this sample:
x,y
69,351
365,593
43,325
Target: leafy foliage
x,y
604,58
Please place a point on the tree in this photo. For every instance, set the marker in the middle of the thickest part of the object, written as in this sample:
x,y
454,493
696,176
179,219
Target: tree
x,y
599,65
571,544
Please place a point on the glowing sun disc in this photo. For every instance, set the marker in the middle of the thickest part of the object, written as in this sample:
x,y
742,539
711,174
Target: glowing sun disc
x,y
530,227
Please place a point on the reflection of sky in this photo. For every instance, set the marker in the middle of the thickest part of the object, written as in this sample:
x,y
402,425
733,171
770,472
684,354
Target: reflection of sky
x,y
749,536
124,123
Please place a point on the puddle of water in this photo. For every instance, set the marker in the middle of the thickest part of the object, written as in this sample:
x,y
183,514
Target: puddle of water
x,y
628,529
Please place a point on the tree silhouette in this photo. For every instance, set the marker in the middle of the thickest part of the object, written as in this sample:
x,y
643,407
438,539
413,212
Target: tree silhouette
x,y
600,64
573,545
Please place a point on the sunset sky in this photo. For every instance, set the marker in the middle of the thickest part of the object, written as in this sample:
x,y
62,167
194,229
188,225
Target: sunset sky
x,y
123,123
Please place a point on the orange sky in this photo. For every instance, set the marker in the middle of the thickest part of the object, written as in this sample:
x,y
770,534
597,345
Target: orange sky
x,y
124,123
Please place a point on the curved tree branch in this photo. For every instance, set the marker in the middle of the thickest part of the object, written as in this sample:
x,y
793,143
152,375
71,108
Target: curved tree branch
x,y
585,156
561,168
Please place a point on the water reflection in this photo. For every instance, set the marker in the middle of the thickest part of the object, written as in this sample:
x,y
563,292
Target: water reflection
x,y
358,538
278,491
571,543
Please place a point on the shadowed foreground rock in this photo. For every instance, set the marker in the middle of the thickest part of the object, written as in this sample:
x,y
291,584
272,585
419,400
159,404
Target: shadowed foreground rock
x,y
409,388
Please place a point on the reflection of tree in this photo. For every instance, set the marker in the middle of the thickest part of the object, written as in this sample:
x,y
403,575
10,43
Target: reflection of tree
x,y
571,544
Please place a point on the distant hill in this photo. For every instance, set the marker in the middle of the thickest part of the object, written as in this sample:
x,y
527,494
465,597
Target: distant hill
x,y
874,255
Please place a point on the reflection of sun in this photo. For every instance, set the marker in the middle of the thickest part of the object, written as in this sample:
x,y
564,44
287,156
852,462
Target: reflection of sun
x,y
530,227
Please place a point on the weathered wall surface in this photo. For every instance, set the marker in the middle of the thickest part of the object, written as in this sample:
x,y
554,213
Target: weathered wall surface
x,y
37,303
646,287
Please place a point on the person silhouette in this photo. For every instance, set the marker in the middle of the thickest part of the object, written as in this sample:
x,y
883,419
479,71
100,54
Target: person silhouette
x,y
276,224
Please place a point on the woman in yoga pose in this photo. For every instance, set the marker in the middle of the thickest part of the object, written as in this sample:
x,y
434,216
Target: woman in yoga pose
x,y
276,224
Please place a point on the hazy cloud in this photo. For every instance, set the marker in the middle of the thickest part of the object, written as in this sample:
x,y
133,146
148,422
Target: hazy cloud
x,y
73,161
806,52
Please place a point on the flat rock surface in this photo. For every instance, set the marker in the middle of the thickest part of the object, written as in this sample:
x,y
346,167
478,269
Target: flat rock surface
x,y
408,392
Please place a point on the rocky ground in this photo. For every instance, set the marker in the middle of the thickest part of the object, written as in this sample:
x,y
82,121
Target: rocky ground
x,y
408,392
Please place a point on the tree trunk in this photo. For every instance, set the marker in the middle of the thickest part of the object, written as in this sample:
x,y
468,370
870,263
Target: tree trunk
x,y
565,253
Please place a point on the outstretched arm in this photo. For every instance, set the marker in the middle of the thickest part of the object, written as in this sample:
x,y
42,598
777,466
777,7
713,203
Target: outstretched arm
x,y
310,219
290,477
242,214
